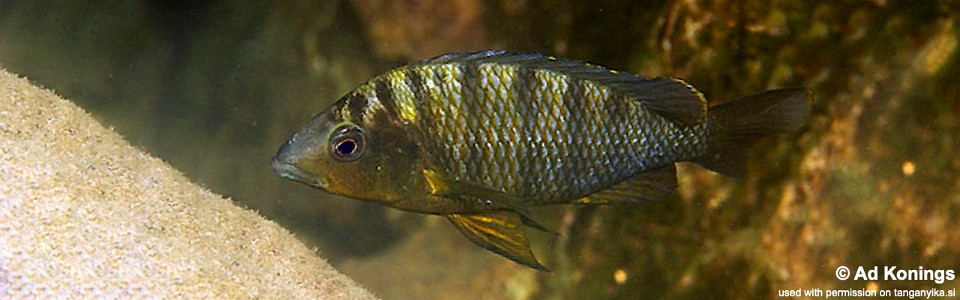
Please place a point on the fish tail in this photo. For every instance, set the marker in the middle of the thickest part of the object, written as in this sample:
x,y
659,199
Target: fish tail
x,y
736,126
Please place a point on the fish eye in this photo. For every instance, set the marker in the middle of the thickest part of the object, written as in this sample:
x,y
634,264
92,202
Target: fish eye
x,y
347,143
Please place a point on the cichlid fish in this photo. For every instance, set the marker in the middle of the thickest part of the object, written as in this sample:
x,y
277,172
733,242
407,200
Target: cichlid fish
x,y
483,137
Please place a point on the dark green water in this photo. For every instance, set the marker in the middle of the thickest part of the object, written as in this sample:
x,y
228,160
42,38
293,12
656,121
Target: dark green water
x,y
214,87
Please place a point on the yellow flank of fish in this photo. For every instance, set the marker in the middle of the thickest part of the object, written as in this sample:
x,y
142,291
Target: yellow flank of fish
x,y
403,96
596,96
431,88
453,95
451,86
495,81
373,104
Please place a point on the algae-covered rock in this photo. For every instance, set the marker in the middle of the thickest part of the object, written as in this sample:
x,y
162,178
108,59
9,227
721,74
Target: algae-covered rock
x,y
83,214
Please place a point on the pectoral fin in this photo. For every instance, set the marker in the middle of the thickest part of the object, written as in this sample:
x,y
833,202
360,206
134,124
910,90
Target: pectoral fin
x,y
446,187
650,185
500,231
476,197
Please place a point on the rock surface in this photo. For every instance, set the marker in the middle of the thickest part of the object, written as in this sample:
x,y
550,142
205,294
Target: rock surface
x,y
85,214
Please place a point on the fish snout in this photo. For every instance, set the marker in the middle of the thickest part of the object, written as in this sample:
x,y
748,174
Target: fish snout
x,y
285,169
284,164
289,170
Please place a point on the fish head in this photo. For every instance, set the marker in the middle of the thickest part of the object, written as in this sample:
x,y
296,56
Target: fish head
x,y
355,148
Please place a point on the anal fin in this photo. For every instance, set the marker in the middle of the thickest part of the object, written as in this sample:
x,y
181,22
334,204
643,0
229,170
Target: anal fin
x,y
500,231
651,185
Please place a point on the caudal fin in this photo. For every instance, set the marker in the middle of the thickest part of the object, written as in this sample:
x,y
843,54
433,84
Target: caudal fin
x,y
737,125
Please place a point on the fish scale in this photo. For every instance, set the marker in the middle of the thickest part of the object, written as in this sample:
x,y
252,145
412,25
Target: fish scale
x,y
510,163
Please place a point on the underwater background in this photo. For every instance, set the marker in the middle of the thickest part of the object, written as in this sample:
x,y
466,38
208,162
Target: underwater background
x,y
215,87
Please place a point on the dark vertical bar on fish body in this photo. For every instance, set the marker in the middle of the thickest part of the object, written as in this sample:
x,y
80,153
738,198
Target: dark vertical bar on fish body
x,y
614,164
471,85
357,105
492,117
592,154
503,157
574,170
473,113
596,135
526,114
553,119
621,126
385,95
605,105
416,85
425,119
434,106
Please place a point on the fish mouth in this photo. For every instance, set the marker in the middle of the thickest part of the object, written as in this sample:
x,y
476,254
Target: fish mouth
x,y
290,171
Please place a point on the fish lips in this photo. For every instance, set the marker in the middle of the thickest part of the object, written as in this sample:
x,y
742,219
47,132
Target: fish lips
x,y
288,169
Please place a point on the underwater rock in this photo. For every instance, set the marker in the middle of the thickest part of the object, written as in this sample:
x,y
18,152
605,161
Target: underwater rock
x,y
84,214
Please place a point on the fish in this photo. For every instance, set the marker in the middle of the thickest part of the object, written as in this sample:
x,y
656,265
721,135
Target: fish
x,y
482,138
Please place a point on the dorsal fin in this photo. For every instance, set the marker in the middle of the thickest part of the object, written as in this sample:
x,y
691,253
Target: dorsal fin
x,y
671,98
